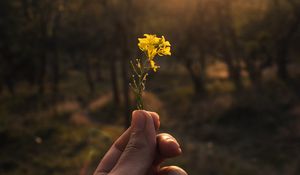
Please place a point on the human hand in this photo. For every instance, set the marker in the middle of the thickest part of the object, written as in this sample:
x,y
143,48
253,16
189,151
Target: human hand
x,y
140,151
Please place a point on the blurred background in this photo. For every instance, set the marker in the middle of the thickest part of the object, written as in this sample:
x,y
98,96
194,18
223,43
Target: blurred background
x,y
229,92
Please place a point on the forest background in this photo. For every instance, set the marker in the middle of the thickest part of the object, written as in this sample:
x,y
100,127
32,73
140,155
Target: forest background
x,y
229,92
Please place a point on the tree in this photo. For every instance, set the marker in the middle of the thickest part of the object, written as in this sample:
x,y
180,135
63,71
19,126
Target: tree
x,y
229,42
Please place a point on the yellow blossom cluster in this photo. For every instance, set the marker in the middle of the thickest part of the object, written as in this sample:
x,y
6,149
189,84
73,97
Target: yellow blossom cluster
x,y
153,46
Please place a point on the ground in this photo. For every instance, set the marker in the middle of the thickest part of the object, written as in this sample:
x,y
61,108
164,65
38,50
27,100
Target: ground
x,y
253,131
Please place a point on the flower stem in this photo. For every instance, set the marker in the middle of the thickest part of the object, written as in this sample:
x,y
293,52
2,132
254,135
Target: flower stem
x,y
138,79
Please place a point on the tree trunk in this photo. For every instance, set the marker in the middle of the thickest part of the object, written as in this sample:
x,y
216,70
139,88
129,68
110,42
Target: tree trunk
x,y
234,70
42,73
235,75
231,50
55,41
254,71
127,106
88,74
1,87
196,79
10,76
55,78
99,76
281,61
10,84
284,44
114,83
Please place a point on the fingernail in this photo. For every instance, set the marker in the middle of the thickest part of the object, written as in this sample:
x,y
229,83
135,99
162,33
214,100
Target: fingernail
x,y
177,144
172,139
139,119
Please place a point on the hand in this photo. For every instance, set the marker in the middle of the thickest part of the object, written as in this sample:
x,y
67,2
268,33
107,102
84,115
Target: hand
x,y
140,151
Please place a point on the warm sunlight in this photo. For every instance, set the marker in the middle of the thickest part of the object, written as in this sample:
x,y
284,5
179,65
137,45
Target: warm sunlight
x,y
216,84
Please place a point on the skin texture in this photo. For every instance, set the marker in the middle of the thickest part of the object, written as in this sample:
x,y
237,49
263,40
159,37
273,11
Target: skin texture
x,y
140,150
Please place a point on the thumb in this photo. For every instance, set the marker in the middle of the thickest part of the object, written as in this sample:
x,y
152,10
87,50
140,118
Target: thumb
x,y
139,153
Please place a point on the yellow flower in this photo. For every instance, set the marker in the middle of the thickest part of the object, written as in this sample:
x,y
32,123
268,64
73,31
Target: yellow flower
x,y
153,46
164,47
164,51
148,43
153,65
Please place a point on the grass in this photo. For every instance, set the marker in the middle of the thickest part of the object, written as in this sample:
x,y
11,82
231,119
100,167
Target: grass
x,y
253,131
37,139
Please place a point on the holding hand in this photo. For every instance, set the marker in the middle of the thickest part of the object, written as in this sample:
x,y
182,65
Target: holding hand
x,y
140,151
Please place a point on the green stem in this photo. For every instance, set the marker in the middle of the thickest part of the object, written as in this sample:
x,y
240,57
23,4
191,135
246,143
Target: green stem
x,y
140,94
138,84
